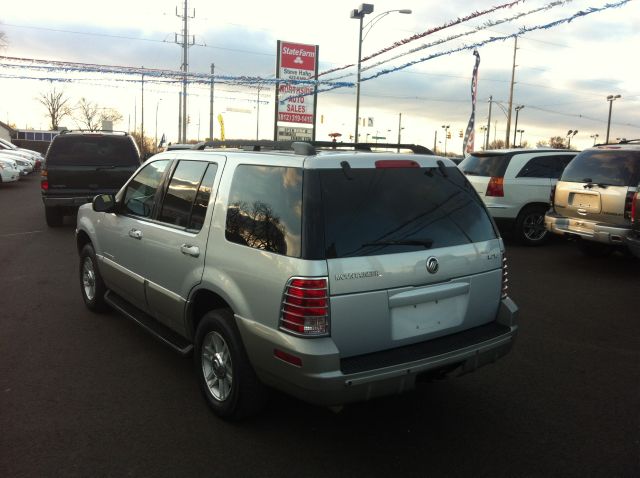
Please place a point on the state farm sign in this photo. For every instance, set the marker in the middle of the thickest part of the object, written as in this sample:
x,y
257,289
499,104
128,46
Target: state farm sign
x,y
295,101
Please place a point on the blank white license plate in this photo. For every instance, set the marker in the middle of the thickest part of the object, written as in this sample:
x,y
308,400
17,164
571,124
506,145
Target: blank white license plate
x,y
427,317
586,201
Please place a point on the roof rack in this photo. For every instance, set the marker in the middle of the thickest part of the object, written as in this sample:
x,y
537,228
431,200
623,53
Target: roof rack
x,y
627,141
308,148
67,131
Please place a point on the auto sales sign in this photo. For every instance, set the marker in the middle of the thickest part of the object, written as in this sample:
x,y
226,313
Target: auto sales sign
x,y
296,101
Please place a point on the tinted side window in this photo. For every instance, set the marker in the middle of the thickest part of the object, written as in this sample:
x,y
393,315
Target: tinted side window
x,y
545,166
491,165
202,198
264,211
98,150
181,193
386,211
611,167
140,193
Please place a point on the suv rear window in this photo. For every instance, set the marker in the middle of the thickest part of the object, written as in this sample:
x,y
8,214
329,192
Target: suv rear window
x,y
610,167
385,211
491,165
88,150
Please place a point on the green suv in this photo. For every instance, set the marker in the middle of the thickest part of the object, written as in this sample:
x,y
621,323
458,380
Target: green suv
x,y
81,164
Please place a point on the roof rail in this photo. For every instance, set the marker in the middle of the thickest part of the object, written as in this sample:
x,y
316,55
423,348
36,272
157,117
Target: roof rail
x,y
627,141
67,131
308,148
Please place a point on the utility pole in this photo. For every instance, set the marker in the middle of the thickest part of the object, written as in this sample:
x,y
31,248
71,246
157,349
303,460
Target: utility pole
x,y
435,142
185,65
142,119
180,117
213,67
513,75
258,116
399,129
489,122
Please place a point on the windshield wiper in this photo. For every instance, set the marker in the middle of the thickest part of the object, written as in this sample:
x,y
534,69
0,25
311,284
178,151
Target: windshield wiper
x,y
426,243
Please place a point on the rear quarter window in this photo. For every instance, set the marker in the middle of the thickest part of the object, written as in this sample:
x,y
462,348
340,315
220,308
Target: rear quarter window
x,y
489,165
610,167
97,150
265,209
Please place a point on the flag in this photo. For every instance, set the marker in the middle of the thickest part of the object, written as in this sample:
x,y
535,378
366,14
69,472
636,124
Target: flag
x,y
162,141
469,135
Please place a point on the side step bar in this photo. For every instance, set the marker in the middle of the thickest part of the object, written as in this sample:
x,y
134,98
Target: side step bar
x,y
151,325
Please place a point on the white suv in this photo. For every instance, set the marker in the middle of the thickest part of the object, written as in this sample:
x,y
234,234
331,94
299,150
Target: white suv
x,y
515,184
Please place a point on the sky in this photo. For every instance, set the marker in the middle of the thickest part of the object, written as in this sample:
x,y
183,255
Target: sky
x,y
563,74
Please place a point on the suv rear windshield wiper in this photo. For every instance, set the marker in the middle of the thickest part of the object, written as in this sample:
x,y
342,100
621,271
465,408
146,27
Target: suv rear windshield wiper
x,y
426,243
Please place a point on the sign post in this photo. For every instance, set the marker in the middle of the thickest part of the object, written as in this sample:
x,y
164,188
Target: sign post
x,y
295,100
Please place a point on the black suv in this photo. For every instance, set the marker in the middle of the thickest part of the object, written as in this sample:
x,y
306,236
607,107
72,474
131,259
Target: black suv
x,y
82,164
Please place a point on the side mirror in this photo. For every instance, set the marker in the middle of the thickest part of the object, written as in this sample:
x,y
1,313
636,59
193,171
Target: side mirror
x,y
104,203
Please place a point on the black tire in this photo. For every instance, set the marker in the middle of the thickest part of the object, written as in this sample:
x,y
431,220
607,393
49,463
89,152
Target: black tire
x,y
529,228
92,287
54,216
218,351
594,249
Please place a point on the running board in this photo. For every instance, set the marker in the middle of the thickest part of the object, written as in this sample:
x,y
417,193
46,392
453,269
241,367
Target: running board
x,y
151,325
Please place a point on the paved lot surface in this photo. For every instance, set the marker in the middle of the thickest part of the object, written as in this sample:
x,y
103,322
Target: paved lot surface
x,y
86,395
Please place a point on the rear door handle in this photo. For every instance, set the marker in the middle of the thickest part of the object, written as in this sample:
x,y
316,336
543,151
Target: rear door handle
x,y
190,250
135,233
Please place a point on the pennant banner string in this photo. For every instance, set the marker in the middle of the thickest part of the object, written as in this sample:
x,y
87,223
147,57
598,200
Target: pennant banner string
x,y
417,36
484,26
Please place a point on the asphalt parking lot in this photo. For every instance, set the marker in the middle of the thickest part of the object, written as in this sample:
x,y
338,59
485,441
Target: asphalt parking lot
x,y
88,395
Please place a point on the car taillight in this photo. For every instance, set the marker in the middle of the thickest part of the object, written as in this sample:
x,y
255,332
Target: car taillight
x,y
494,188
505,277
305,307
629,205
634,209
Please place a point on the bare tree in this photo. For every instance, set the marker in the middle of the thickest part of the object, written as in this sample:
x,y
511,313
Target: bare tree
x,y
90,116
57,106
557,142
3,40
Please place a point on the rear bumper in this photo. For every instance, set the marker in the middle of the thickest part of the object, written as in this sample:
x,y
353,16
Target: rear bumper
x,y
75,201
326,379
588,230
633,242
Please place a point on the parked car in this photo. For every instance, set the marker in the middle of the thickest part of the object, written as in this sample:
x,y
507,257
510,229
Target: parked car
x,y
9,171
335,276
4,144
633,239
593,200
515,185
25,166
79,165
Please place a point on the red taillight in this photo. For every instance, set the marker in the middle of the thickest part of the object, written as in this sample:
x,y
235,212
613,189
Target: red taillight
x,y
396,163
44,184
633,210
505,277
305,307
494,188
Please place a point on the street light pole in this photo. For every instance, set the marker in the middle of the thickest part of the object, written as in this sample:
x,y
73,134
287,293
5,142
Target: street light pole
x,y
520,131
446,134
571,134
610,99
515,128
359,13
595,137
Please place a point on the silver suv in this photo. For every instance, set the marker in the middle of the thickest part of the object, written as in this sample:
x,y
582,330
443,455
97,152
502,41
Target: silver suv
x,y
333,276
593,200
